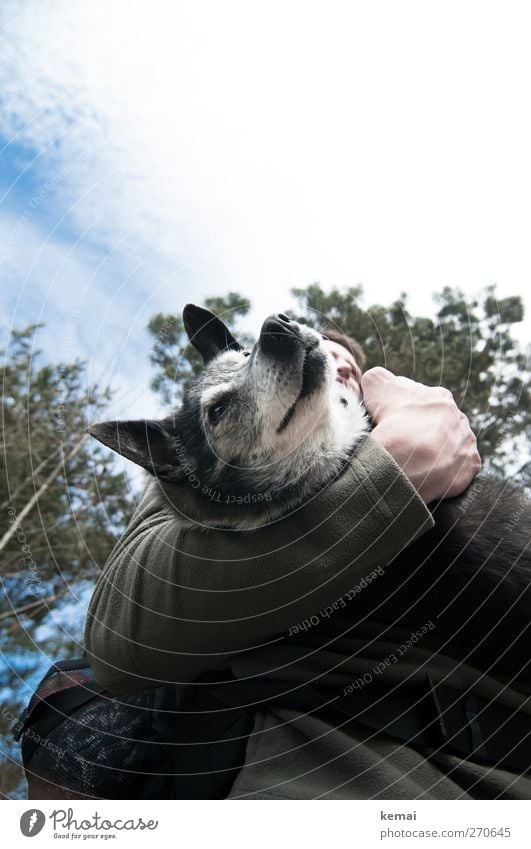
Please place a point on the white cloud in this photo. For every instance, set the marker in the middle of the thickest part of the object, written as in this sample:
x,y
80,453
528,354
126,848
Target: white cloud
x,y
82,304
260,146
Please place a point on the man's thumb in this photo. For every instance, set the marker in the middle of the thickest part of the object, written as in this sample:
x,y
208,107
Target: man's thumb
x,y
373,386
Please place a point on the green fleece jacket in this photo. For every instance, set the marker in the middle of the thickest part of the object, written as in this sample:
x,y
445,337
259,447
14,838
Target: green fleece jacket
x,y
174,602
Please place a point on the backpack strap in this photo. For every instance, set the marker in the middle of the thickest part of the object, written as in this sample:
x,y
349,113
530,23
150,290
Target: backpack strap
x,y
52,701
206,738
430,718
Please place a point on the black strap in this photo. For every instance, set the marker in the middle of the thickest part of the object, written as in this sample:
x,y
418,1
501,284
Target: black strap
x,y
208,732
207,742
430,718
36,707
48,713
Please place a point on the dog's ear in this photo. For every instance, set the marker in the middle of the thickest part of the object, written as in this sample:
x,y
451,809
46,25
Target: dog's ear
x,y
207,332
146,442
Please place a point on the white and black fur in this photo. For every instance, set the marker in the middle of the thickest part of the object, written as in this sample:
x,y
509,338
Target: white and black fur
x,y
257,433
261,430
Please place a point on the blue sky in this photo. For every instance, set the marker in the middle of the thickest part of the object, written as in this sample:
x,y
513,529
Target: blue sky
x,y
87,292
158,153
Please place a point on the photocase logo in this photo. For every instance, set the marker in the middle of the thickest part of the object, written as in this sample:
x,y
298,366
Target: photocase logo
x,y
32,822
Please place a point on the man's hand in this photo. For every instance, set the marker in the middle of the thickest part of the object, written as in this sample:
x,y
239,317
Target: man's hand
x,y
424,431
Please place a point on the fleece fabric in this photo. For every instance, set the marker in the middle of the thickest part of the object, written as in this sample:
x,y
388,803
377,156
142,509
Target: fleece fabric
x,y
281,601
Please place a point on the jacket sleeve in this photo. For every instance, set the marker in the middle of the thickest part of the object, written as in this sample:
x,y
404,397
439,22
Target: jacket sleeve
x,y
172,603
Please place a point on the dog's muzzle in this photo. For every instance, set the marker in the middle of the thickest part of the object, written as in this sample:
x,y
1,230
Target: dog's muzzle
x,y
280,337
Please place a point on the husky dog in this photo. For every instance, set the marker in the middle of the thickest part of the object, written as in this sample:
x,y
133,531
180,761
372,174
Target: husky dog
x,y
260,431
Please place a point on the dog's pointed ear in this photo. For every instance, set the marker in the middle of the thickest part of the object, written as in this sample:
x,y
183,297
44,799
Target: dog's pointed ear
x,y
146,442
207,332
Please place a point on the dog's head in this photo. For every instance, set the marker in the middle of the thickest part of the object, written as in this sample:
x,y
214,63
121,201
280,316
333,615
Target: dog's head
x,y
258,427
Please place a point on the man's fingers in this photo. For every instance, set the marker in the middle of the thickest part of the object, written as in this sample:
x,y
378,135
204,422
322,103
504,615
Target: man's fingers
x,y
383,391
376,375
424,430
373,386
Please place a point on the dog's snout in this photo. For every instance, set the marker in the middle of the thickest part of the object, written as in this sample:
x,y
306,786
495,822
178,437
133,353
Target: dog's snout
x,y
279,335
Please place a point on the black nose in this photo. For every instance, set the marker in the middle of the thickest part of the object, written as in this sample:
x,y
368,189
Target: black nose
x,y
279,335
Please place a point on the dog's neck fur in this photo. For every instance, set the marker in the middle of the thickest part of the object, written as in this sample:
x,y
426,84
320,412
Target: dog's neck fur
x,y
251,498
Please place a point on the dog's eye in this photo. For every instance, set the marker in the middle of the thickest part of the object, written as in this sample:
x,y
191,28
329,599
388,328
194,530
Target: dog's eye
x,y
215,412
246,353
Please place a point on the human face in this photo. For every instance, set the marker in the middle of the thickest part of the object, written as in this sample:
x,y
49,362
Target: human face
x,y
347,370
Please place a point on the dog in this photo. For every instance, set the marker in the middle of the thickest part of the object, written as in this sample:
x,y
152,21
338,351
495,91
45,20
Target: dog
x,y
262,430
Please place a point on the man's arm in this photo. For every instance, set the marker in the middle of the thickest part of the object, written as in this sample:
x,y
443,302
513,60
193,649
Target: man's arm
x,y
172,603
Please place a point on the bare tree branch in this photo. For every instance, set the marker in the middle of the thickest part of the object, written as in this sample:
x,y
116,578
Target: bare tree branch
x,y
30,606
42,489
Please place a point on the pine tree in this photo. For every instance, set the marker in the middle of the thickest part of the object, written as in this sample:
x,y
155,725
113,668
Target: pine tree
x,y
468,346
62,508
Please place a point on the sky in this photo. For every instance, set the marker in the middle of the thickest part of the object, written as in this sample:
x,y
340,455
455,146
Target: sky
x,y
157,153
